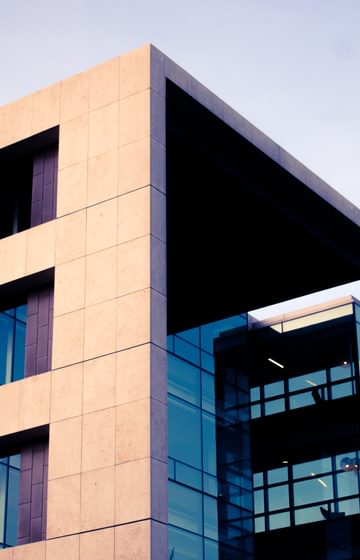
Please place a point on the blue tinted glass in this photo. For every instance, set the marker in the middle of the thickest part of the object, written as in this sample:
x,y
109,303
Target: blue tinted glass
x,y
6,347
278,497
184,545
302,399
341,372
273,407
255,411
210,484
188,475
210,518
185,430
170,343
19,354
185,508
207,362
15,460
12,507
308,515
312,467
211,331
278,520
259,524
209,444
171,468
208,392
183,380
347,483
343,390
315,490
274,389
259,501
187,351
10,312
277,475
191,335
258,479
211,550
255,394
307,381
349,507
21,313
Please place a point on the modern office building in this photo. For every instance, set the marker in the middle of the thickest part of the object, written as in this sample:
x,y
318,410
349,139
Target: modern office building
x,y
141,220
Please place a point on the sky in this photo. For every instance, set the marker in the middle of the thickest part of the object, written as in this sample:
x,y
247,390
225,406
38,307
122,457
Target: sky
x,y
291,67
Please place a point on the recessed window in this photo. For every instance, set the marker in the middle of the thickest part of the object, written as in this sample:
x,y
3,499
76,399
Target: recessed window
x,y
12,343
9,499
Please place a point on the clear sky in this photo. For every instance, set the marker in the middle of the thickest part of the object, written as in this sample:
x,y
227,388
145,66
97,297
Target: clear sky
x,y
292,67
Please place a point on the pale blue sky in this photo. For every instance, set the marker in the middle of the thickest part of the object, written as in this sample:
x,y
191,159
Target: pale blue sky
x,y
292,67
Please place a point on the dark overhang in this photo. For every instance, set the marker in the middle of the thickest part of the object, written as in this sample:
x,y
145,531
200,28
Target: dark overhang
x,y
242,231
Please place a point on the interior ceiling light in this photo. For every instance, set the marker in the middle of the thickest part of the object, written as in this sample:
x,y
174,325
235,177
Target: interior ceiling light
x,y
311,382
276,363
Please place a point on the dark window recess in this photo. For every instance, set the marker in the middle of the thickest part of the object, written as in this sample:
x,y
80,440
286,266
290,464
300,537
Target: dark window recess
x,y
28,183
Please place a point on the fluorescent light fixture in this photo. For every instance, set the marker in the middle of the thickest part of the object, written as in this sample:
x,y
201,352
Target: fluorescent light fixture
x,y
285,462
322,482
311,382
276,363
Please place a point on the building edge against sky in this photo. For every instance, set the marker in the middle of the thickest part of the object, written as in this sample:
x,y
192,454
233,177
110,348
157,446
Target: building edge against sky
x,y
91,264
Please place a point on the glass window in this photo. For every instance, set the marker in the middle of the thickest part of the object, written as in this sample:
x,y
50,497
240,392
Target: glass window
x,y
255,394
212,330
19,354
278,520
255,411
187,351
183,380
210,518
171,468
259,501
185,430
184,545
191,335
208,392
274,389
340,372
347,483
312,468
210,484
188,475
308,515
258,479
307,381
259,524
314,490
6,347
211,550
185,508
12,344
209,443
302,399
277,475
273,407
12,507
278,497
349,507
343,390
207,362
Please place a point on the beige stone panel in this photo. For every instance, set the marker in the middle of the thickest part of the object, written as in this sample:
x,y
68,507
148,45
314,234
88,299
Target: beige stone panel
x,y
135,71
69,287
134,215
133,431
46,108
134,165
70,237
133,266
159,436
159,491
104,83
133,319
74,98
158,215
158,117
98,444
9,406
101,231
103,130
100,329
99,383
66,393
7,554
68,340
34,401
133,369
141,372
72,188
102,177
157,65
134,121
63,513
133,542
158,165
65,448
13,257
97,499
33,551
132,493
97,545
159,540
15,121
158,319
40,253
73,141
66,548
101,273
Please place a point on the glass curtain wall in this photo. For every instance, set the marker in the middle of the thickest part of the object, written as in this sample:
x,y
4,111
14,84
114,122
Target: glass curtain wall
x,y
9,500
12,344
